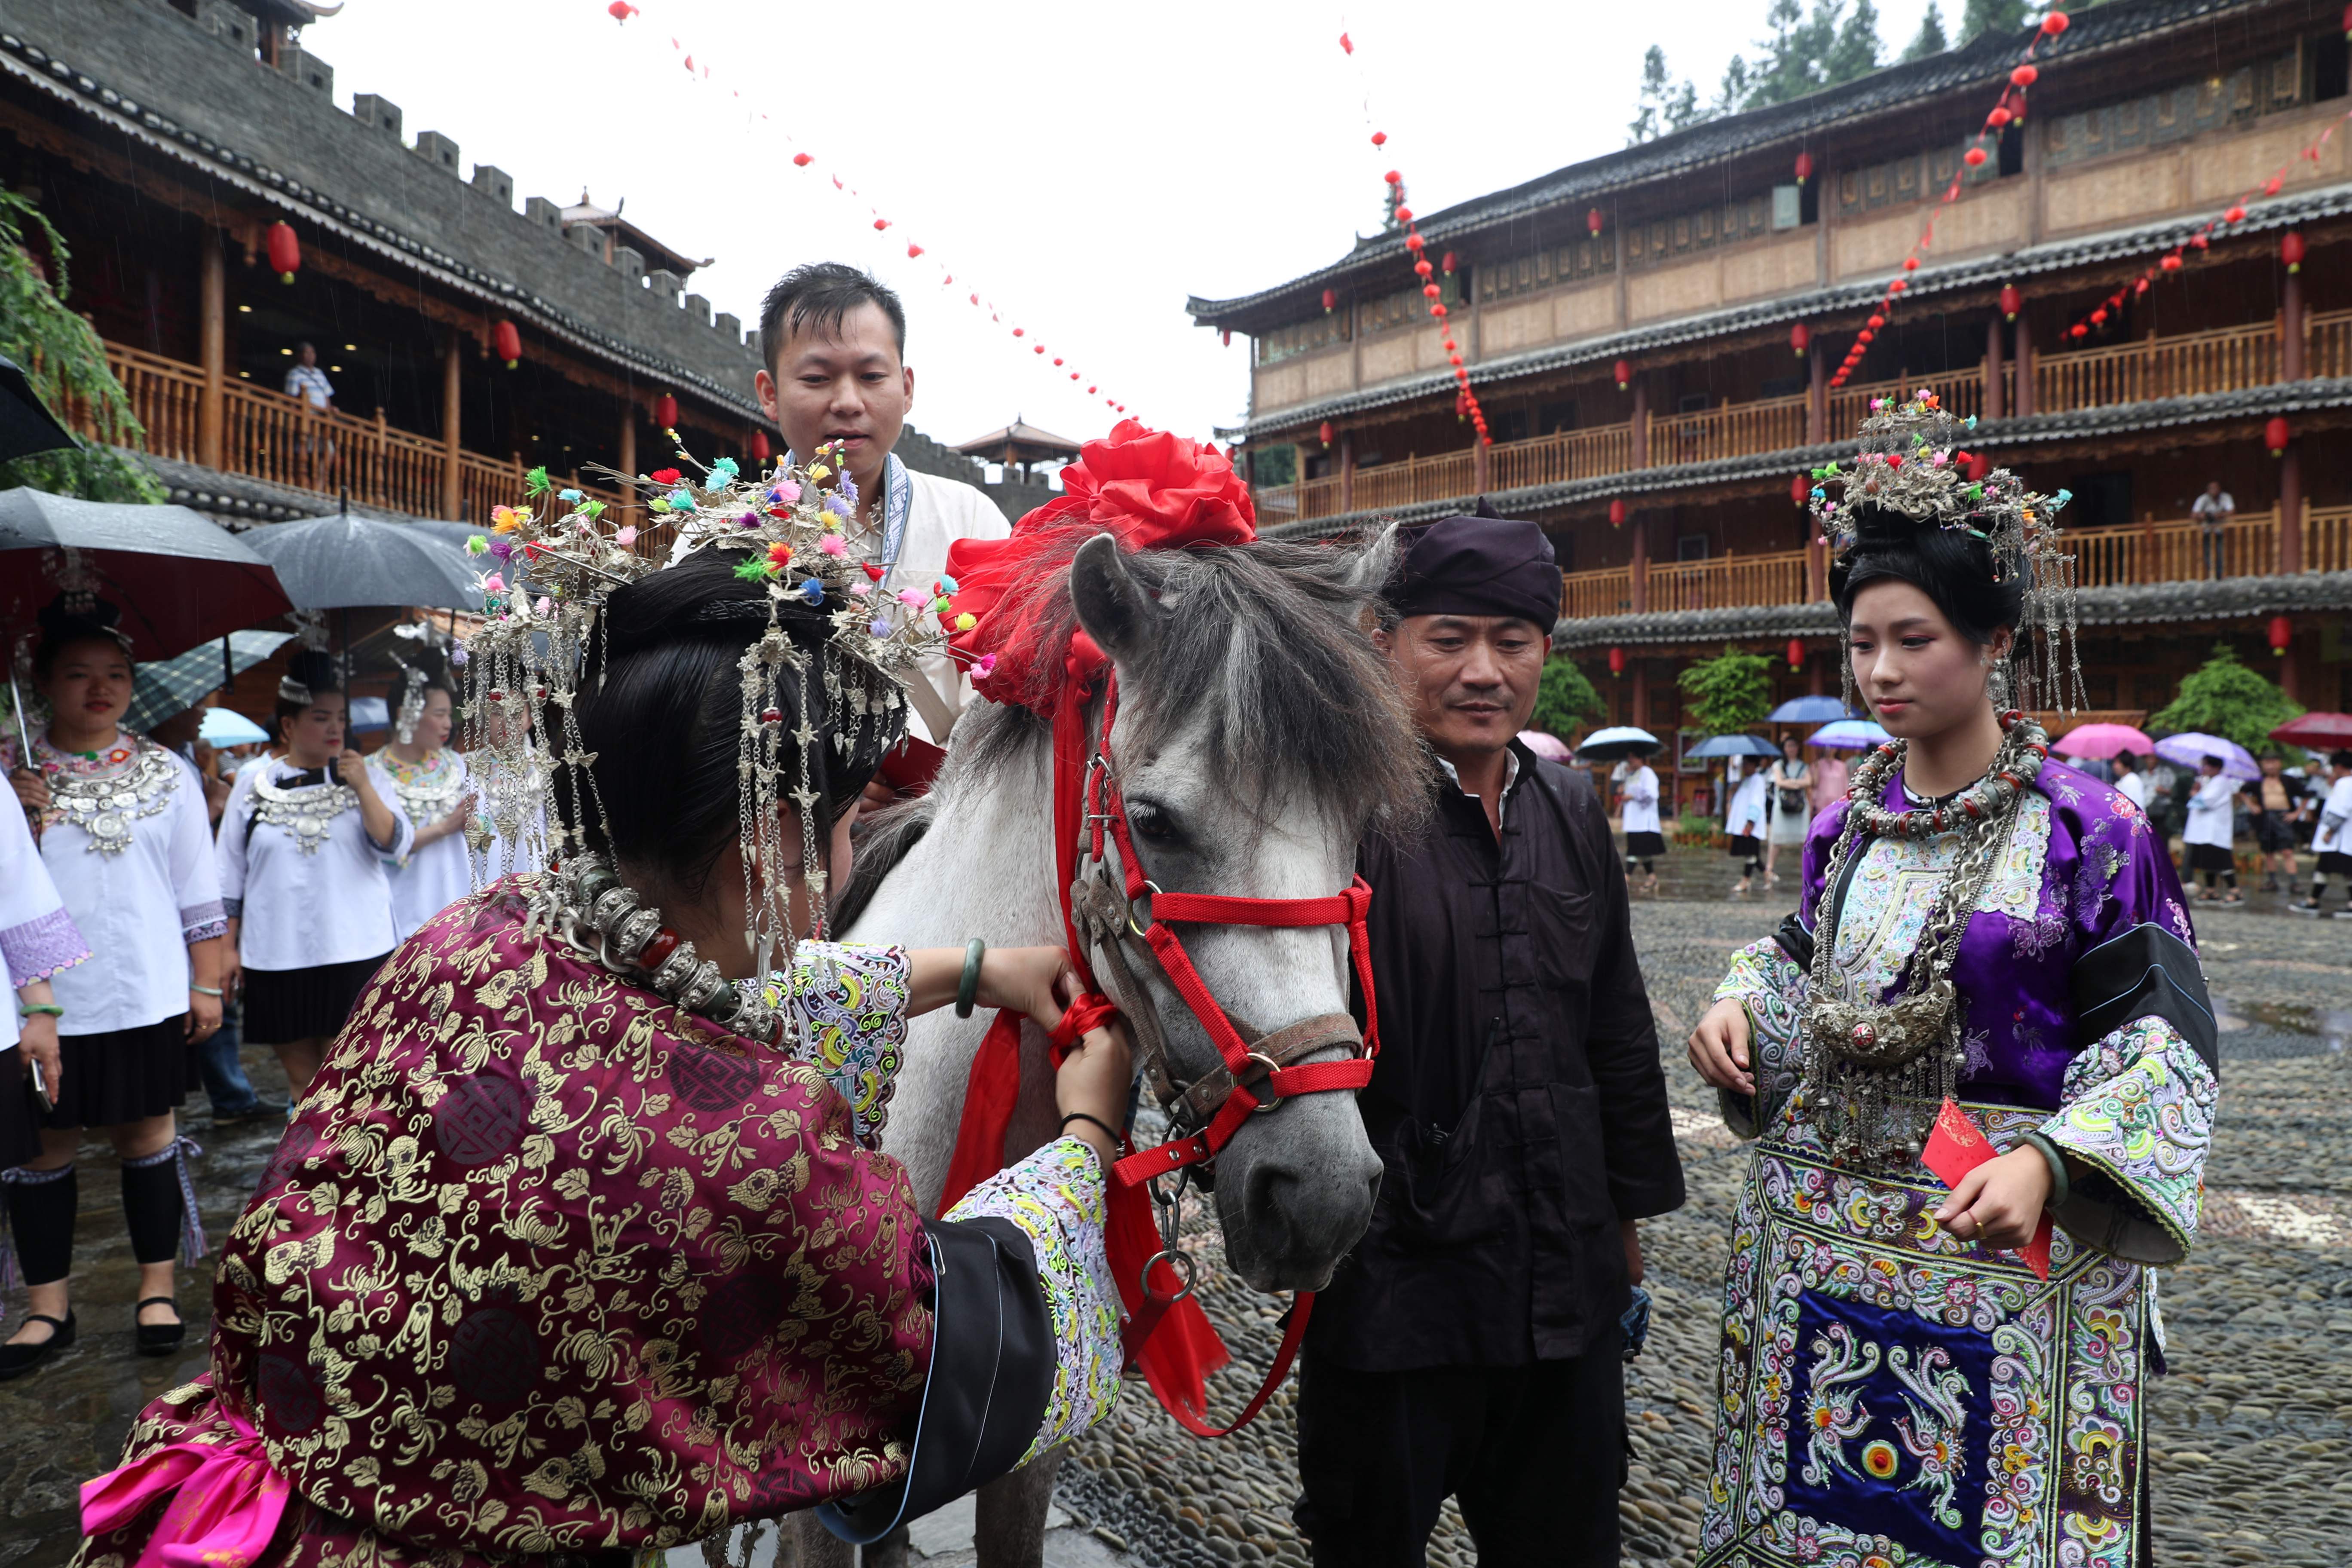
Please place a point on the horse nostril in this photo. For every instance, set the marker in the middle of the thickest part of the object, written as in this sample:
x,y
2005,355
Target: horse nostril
x,y
1267,1197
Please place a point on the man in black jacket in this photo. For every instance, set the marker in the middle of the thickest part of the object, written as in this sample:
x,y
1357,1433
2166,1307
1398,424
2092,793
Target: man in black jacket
x,y
1472,1344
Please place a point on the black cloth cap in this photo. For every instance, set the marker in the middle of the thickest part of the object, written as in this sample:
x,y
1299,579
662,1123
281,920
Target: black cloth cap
x,y
1485,564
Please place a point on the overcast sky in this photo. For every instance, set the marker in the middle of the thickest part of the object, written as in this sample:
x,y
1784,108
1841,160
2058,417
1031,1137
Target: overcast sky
x,y
1084,165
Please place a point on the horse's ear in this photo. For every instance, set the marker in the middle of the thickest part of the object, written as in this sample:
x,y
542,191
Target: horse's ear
x,y
1112,605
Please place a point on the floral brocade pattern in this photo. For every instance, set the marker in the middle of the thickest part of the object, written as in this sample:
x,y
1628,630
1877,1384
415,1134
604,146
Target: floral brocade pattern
x,y
2139,1106
1057,1196
848,1004
1771,985
545,1265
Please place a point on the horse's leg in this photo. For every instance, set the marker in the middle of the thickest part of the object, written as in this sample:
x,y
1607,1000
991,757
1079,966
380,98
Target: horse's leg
x,y
1011,1529
813,1545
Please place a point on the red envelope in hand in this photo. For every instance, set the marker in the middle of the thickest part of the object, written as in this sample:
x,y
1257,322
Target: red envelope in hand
x,y
1959,1146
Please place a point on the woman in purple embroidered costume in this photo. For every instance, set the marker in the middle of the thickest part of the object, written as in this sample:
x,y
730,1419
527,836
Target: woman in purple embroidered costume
x,y
1903,1380
580,1243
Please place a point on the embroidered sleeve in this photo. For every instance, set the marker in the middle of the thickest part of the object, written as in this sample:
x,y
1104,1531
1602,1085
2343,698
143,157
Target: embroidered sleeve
x,y
1768,984
202,922
848,1003
1058,1198
42,946
2137,1111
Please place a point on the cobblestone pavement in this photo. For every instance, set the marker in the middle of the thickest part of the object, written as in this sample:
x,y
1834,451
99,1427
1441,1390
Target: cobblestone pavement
x,y
2250,1433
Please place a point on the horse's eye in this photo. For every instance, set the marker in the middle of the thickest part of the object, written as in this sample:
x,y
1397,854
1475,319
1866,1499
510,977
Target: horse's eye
x,y
1151,821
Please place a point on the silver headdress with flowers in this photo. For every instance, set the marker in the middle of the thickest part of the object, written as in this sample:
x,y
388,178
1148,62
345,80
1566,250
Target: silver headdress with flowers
x,y
1913,463
550,564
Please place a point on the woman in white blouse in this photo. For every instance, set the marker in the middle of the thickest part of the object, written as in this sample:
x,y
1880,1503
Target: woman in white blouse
x,y
126,841
437,796
1644,841
303,843
2213,827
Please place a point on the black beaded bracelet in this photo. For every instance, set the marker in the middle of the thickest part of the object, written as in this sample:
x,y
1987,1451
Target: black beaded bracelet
x,y
1083,1116
968,989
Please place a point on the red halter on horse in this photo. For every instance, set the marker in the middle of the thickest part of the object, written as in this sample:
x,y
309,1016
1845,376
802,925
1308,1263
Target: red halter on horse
x,y
1149,490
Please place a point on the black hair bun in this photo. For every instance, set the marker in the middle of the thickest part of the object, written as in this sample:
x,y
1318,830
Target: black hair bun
x,y
1957,569
700,599
314,671
69,617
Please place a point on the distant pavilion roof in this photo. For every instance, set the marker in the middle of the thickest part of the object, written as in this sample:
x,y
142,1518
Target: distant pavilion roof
x,y
1019,443
618,230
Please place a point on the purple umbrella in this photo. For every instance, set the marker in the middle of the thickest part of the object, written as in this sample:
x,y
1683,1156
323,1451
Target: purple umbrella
x,y
2189,749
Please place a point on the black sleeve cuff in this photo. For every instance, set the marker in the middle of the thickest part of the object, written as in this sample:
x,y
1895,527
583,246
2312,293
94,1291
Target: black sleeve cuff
x,y
1795,940
992,1365
2147,971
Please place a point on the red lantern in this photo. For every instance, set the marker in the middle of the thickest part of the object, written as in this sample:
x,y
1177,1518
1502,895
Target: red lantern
x,y
2000,116
2025,75
1974,157
1800,489
1796,651
1804,167
2282,632
1616,661
1446,266
1324,430
1801,337
507,343
802,160
1330,300
1593,222
1227,335
2012,301
2290,250
665,412
760,448
2276,434
1393,178
284,252
2055,22
2171,263
1617,512
1379,138
620,10
1624,374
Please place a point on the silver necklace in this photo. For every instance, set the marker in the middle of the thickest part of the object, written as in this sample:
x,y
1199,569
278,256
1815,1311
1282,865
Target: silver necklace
x,y
432,791
586,904
306,811
105,805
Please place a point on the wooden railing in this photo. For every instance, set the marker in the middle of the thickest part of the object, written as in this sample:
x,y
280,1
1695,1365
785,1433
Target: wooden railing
x,y
2327,345
1728,430
1961,392
165,394
2230,359
1583,594
1724,581
1393,485
2327,539
2175,551
1557,459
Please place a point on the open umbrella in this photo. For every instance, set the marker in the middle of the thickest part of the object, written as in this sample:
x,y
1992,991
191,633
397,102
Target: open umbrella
x,y
172,686
1742,745
2103,740
1848,734
1551,748
345,561
2320,732
27,426
1808,710
1615,744
179,578
228,726
2192,747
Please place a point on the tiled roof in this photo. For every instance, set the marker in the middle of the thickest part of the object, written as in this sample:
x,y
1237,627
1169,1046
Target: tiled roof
x,y
1981,272
254,176
2002,436
2138,605
1899,89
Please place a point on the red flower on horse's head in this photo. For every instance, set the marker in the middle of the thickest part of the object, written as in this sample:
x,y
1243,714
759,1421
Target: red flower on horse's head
x,y
1154,489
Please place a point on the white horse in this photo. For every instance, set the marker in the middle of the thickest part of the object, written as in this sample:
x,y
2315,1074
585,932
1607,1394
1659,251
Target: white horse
x,y
1258,737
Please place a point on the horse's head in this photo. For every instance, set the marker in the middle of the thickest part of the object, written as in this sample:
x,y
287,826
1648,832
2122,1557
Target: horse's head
x,y
1258,736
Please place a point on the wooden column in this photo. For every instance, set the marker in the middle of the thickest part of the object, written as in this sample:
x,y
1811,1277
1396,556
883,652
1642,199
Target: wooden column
x,y
2024,399
1346,473
628,463
2290,510
1817,568
1993,376
1817,399
212,291
452,490
1641,694
1639,584
1478,465
2291,329
1817,671
1640,426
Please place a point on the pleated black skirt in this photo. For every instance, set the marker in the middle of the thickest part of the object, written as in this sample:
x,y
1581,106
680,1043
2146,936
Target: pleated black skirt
x,y
18,1143
287,1004
125,1075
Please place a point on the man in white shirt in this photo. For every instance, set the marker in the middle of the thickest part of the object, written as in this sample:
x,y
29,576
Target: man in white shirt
x,y
306,381
2213,508
833,343
1644,841
2333,842
2130,783
2212,811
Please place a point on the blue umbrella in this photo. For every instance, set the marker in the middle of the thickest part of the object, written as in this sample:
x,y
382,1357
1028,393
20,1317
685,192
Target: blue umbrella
x,y
1733,746
1809,710
227,727
1615,743
1848,734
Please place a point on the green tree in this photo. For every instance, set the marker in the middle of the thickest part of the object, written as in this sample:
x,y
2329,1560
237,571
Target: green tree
x,y
1807,52
1565,699
1981,16
1728,692
1930,40
64,358
2222,696
1663,105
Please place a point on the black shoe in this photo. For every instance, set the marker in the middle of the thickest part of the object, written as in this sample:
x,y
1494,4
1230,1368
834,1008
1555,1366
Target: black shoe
x,y
15,1360
159,1339
259,1111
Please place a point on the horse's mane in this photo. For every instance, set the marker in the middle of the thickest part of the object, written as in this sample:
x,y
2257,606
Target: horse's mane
x,y
1268,645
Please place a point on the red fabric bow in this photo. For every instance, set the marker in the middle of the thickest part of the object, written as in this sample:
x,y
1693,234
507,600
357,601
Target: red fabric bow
x,y
1148,489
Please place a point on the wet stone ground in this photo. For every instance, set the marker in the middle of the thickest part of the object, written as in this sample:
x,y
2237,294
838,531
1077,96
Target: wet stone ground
x,y
2250,1434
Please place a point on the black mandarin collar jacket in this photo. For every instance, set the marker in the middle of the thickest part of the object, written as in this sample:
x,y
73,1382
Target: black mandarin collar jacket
x,y
1517,1105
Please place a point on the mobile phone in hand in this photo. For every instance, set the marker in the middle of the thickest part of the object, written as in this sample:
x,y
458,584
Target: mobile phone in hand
x,y
41,1086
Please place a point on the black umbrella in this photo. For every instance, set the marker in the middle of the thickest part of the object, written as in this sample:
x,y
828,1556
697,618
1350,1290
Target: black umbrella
x,y
179,578
27,426
345,561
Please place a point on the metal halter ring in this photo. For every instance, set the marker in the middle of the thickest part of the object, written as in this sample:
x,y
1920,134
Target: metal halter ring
x,y
1138,930
1179,1261
1272,1101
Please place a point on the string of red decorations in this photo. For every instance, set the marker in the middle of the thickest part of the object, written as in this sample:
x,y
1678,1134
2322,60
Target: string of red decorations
x,y
2008,109
623,12
1466,400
